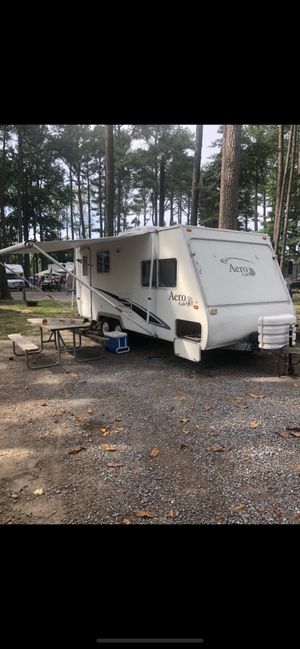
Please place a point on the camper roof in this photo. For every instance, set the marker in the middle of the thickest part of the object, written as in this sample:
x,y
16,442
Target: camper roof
x,y
56,246
14,268
53,246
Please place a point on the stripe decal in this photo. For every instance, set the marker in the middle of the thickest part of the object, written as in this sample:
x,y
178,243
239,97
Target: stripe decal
x,y
138,309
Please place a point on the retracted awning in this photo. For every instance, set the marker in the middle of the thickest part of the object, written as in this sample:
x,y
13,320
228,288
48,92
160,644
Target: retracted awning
x,y
26,247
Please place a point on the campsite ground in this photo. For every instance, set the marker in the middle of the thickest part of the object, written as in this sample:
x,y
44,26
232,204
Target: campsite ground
x,y
146,437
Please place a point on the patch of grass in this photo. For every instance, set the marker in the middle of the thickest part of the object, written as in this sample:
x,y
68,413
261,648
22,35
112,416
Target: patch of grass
x,y
14,314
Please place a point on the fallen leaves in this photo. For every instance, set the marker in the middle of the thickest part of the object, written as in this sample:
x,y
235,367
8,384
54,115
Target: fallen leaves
x,y
154,452
238,508
180,397
90,411
80,418
114,465
184,420
6,521
206,408
239,402
126,521
142,514
38,492
222,449
283,434
77,449
246,458
105,430
170,513
257,396
108,447
294,431
253,424
241,405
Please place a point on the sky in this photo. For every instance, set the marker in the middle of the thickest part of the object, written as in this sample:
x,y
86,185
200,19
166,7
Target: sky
x,y
210,134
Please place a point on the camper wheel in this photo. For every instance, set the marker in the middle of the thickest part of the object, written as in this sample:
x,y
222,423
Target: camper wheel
x,y
104,327
117,327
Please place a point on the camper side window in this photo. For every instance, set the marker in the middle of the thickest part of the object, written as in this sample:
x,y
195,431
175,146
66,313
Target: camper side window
x,y
167,273
146,266
103,262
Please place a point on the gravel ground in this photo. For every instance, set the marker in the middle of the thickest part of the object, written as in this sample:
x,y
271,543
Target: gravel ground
x,y
198,444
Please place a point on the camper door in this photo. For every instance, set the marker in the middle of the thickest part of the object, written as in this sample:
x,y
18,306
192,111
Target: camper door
x,y
83,271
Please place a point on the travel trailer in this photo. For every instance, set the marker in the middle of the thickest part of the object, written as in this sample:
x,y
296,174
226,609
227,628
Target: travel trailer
x,y
200,288
15,275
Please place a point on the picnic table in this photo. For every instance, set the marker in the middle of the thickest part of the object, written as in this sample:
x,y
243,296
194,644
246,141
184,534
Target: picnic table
x,y
52,330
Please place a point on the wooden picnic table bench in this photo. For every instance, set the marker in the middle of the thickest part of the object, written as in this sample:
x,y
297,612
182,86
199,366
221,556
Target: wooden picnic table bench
x,y
28,349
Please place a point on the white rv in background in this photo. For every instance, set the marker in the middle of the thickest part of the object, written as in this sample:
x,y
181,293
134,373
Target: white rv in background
x,y
15,276
200,288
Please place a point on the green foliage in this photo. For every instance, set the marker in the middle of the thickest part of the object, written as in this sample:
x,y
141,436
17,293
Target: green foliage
x,y
62,166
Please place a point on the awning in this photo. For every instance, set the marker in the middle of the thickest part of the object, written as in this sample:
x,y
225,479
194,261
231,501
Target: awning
x,y
55,246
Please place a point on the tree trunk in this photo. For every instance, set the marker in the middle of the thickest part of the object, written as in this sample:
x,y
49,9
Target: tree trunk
x,y
230,170
196,174
282,192
171,208
89,202
256,203
71,203
162,191
179,208
4,290
119,203
79,192
2,191
20,190
278,188
26,219
264,208
298,165
288,197
109,181
100,200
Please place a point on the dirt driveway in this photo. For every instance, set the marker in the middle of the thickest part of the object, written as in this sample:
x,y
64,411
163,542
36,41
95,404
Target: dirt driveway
x,y
145,437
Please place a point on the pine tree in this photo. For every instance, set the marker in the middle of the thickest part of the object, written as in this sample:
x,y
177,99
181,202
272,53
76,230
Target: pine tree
x,y
230,176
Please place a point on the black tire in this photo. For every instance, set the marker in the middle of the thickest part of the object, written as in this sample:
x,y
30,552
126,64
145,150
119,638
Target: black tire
x,y
117,326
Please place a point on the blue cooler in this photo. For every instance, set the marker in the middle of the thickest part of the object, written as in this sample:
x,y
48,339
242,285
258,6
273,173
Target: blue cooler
x,y
117,342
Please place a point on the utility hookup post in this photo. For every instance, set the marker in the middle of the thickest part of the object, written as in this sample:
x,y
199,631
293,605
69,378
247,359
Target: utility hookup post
x,y
24,294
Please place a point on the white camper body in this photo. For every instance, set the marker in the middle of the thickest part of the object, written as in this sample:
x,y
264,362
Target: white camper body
x,y
199,288
15,275
209,287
